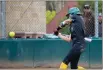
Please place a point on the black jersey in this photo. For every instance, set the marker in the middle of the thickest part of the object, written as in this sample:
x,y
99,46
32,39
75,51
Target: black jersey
x,y
77,30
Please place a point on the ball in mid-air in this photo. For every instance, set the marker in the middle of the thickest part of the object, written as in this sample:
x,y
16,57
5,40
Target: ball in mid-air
x,y
11,34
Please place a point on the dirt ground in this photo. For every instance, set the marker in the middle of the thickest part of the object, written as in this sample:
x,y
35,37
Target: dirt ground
x,y
44,69
33,69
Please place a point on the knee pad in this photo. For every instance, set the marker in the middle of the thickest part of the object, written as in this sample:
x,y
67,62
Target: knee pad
x,y
63,66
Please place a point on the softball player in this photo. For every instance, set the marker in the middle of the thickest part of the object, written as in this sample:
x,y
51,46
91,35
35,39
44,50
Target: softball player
x,y
77,37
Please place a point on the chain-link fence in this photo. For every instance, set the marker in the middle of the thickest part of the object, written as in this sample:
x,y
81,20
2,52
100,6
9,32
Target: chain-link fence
x,y
0,21
91,15
29,16
25,16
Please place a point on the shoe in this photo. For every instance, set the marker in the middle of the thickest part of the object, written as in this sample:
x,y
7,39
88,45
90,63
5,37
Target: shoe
x,y
63,66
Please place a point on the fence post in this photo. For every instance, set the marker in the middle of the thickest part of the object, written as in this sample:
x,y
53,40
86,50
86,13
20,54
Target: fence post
x,y
3,14
96,18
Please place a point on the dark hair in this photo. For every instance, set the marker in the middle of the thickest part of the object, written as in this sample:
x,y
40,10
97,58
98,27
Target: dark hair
x,y
67,15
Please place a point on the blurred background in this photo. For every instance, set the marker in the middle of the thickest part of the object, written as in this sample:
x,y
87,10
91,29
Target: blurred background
x,y
34,18
31,19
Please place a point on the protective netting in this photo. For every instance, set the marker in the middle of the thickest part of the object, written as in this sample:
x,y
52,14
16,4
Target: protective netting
x,y
44,16
22,16
88,13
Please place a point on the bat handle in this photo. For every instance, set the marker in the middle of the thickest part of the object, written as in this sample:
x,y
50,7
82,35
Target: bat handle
x,y
88,39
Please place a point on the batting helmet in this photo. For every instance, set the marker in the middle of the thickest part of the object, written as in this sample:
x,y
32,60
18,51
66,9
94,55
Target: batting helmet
x,y
74,10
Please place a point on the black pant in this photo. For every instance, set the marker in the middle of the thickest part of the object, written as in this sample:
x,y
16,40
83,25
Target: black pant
x,y
73,58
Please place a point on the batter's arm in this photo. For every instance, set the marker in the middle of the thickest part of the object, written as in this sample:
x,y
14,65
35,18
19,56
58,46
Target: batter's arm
x,y
66,38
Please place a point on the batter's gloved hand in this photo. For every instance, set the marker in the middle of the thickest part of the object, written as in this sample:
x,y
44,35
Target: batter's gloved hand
x,y
56,32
